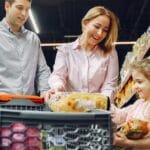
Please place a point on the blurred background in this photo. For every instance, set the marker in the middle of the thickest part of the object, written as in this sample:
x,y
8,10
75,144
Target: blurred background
x,y
59,21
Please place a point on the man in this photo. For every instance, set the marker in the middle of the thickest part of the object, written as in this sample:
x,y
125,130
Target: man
x,y
23,69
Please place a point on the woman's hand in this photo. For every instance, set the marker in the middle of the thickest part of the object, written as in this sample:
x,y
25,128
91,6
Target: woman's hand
x,y
57,90
51,92
46,95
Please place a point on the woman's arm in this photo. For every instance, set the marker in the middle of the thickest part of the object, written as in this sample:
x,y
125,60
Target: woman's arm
x,y
58,77
109,86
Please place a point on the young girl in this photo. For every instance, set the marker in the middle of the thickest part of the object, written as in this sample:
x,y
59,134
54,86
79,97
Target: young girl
x,y
139,110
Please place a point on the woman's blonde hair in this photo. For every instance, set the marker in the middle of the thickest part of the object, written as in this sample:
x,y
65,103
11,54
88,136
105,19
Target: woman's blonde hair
x,y
142,66
112,35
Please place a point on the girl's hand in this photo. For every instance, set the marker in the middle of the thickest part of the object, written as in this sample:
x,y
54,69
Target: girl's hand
x,y
113,110
120,139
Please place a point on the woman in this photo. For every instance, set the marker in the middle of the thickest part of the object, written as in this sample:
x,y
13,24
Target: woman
x,y
89,64
139,110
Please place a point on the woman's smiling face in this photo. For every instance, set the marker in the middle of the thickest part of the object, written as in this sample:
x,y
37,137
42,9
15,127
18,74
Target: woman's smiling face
x,y
96,29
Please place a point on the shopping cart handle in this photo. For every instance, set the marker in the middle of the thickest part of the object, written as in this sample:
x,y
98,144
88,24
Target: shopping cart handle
x,y
8,97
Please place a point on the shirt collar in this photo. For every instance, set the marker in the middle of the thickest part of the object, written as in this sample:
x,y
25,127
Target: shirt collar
x,y
77,46
9,29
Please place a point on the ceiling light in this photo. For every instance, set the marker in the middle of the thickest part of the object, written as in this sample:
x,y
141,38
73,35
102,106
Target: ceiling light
x,y
35,26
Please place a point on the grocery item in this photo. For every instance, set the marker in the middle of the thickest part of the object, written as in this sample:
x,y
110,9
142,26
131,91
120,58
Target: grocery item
x,y
78,102
5,132
17,145
135,129
5,142
18,127
20,136
32,132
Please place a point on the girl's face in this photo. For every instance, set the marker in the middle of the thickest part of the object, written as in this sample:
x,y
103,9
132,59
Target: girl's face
x,y
96,30
141,85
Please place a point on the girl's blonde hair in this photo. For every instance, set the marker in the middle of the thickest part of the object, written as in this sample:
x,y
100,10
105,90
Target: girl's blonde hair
x,y
142,66
112,35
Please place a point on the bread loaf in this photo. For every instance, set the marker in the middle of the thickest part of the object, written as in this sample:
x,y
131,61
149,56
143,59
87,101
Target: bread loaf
x,y
79,102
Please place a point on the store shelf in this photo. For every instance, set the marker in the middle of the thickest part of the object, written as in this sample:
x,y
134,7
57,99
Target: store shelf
x,y
143,51
125,101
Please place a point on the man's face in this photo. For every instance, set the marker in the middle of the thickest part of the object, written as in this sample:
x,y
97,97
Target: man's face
x,y
17,13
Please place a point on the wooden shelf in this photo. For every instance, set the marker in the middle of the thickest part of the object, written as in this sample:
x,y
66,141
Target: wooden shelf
x,y
126,100
121,97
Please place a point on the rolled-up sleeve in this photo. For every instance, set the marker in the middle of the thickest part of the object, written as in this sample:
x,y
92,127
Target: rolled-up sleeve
x,y
59,75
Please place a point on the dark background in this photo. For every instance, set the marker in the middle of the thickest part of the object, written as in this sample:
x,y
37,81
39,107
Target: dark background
x,y
57,18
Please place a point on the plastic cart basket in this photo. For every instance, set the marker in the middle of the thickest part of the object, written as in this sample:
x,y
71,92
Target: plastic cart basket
x,y
66,131
22,104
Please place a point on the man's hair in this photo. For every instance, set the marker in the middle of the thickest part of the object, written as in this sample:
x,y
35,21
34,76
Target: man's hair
x,y
12,1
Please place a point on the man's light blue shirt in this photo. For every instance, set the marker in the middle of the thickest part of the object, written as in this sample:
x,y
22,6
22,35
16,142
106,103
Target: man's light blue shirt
x,y
23,69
